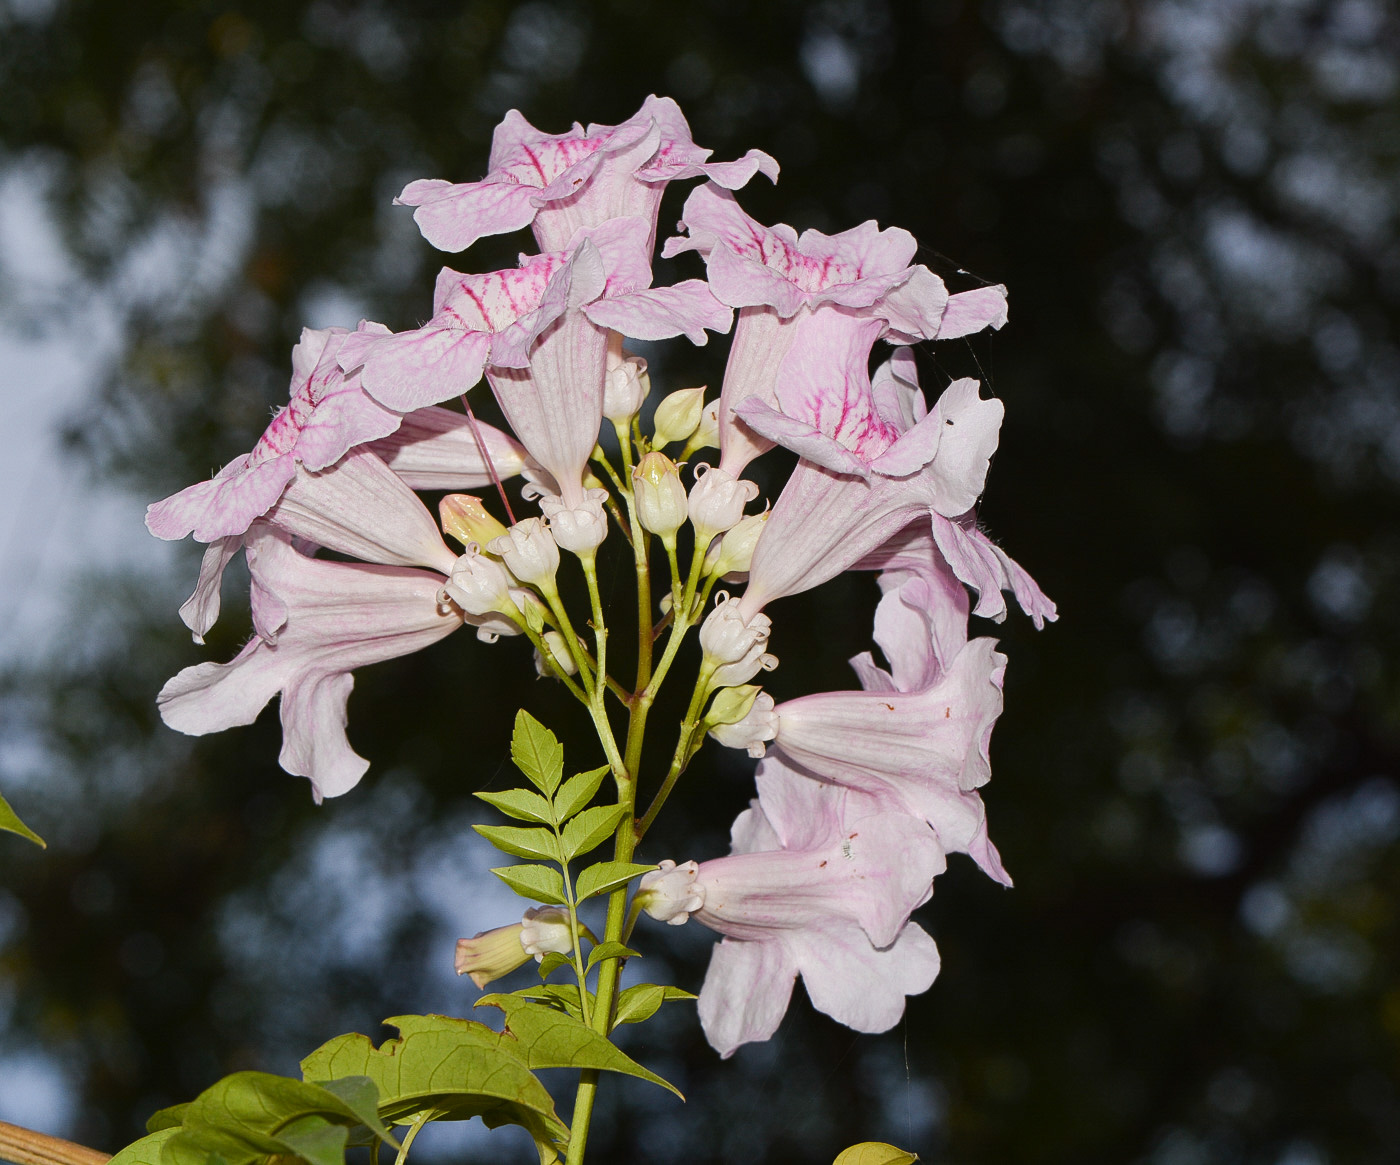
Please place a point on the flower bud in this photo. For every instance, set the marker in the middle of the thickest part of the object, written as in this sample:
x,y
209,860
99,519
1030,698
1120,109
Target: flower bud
x,y
493,954
678,416
625,386
559,660
579,531
467,520
717,501
480,585
734,650
734,553
670,893
750,731
656,482
529,551
706,435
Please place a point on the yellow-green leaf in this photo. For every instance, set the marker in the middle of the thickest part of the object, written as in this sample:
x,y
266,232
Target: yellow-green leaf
x,y
537,883
606,876
147,1150
522,841
590,829
875,1153
537,753
10,823
578,791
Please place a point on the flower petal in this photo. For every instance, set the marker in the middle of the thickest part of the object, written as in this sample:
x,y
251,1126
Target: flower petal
x,y
746,993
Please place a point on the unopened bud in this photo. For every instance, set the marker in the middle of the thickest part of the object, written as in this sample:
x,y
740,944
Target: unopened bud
x,y
656,483
706,435
625,386
493,954
559,660
579,531
467,520
717,501
734,554
529,551
545,930
671,893
753,729
678,416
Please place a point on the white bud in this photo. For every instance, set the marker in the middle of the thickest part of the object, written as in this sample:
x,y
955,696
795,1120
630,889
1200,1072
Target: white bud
x,y
559,658
625,386
678,416
717,501
656,485
706,435
734,554
732,648
671,893
529,551
479,585
758,725
579,531
545,930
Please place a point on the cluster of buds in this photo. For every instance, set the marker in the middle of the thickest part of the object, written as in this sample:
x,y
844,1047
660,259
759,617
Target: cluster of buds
x,y
860,794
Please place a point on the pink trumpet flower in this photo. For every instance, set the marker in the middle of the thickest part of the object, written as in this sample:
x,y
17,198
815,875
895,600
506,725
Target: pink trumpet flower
x,y
561,182
539,332
812,889
317,622
777,279
873,457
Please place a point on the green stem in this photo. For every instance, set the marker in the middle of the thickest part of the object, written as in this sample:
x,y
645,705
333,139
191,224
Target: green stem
x,y
574,934
566,629
414,1125
681,757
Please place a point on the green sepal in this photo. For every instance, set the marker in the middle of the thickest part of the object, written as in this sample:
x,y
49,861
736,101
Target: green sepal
x,y
166,1118
578,791
522,842
455,1068
537,883
537,753
552,961
609,951
555,1039
875,1153
10,823
146,1151
643,1000
590,829
521,804
605,877
732,705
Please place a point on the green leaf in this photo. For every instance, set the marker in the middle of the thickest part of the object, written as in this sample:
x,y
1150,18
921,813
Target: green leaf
x,y
609,951
166,1118
552,961
361,1096
553,1039
534,842
537,753
606,876
590,829
521,804
538,883
455,1067
316,1140
146,1151
10,823
875,1153
642,1001
561,995
578,791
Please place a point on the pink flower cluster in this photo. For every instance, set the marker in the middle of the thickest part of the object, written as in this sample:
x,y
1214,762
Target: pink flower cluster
x,y
861,793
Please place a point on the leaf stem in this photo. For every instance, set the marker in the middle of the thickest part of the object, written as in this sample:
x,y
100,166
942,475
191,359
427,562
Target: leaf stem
x,y
413,1126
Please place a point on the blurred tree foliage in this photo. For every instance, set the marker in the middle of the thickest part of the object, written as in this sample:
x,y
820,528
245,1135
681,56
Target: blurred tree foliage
x,y
1194,206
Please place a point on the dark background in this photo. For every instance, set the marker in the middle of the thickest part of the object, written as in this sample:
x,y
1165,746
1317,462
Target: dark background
x,y
1193,205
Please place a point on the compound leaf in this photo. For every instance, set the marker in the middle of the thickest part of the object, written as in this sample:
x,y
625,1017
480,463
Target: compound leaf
x,y
537,753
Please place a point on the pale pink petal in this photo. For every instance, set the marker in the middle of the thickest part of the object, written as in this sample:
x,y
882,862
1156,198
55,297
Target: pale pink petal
x,y
437,449
988,570
454,216
970,428
895,387
971,311
360,507
201,610
340,617
226,505
411,370
761,340
862,986
801,437
686,308
746,993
